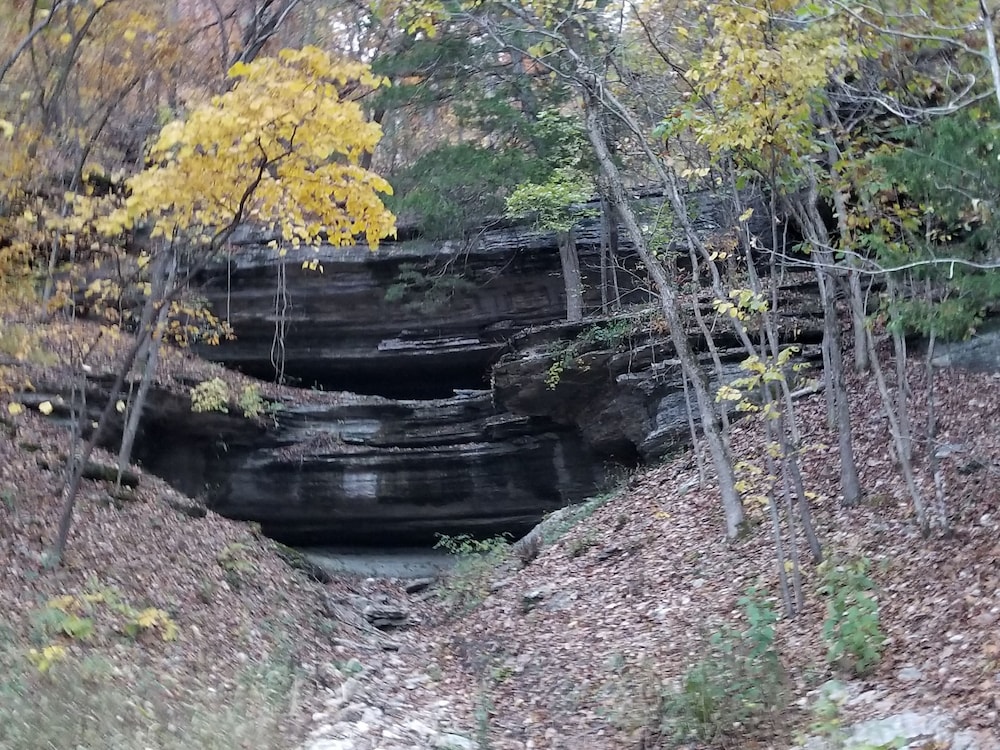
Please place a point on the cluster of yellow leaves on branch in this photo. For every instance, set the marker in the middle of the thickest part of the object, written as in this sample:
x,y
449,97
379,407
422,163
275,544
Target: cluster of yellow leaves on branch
x,y
280,149
18,230
74,80
415,18
763,69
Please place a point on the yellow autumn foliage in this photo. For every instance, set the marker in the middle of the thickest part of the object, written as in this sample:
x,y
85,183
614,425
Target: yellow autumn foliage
x,y
281,149
764,76
46,657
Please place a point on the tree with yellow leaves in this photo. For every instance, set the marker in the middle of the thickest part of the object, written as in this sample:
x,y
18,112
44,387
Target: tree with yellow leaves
x,y
281,149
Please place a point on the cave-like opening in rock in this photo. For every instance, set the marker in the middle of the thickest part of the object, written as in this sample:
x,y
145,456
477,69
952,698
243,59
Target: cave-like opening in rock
x,y
400,381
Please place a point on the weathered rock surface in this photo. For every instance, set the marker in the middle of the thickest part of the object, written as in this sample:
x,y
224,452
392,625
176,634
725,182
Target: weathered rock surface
x,y
429,448
980,353
344,334
629,401
367,470
370,708
362,470
909,730
458,305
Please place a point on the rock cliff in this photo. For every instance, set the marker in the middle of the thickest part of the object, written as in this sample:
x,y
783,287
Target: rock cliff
x,y
412,319
365,470
434,360
411,443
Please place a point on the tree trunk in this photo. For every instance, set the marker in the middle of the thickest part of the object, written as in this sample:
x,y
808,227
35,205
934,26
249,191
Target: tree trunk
x,y
856,297
858,324
902,446
850,484
76,477
366,158
672,311
902,405
609,253
933,457
164,270
699,456
792,605
570,261
817,236
991,47
706,333
605,251
69,501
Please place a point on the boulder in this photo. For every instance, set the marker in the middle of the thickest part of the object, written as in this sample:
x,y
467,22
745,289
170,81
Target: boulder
x,y
386,613
979,353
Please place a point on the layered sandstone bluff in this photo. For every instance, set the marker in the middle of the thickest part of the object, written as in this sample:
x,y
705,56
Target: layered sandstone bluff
x,y
436,416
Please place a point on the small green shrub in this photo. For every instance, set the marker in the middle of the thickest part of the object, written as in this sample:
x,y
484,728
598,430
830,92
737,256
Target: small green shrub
x,y
350,667
211,395
827,722
78,617
612,334
426,289
44,658
736,687
63,616
206,591
251,402
852,629
234,560
468,581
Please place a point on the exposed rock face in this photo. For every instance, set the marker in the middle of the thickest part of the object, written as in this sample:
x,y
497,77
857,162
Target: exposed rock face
x,y
349,469
461,302
629,401
372,471
344,334
441,441
425,451
625,406
981,353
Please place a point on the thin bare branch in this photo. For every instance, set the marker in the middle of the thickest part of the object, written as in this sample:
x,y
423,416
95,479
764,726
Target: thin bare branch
x,y
26,42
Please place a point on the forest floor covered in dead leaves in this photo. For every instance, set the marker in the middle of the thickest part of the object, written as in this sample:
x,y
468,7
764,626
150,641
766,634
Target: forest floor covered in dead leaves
x,y
572,651
638,586
626,600
158,629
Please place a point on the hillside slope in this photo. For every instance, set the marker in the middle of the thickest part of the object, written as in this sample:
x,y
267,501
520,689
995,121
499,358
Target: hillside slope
x,y
166,626
572,650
